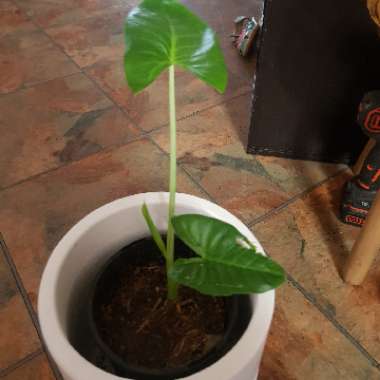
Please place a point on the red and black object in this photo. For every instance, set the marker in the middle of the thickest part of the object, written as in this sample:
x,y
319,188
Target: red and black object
x,y
360,192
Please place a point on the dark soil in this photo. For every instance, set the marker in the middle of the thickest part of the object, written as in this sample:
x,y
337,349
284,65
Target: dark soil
x,y
137,322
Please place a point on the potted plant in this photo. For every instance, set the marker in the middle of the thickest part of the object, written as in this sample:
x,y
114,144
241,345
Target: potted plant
x,y
122,298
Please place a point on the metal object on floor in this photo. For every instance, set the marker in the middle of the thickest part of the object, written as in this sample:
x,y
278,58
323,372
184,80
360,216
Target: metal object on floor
x,y
246,29
360,192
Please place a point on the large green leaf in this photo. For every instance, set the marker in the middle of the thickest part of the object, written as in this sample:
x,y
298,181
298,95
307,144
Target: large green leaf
x,y
161,33
228,263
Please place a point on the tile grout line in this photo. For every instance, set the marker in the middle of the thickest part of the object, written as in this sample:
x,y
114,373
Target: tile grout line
x,y
195,182
28,86
198,184
27,303
201,110
26,359
309,296
73,162
293,199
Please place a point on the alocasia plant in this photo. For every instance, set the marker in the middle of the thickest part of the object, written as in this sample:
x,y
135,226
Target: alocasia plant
x,y
160,35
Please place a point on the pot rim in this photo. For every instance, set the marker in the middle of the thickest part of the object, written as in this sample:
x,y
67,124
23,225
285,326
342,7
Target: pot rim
x,y
51,327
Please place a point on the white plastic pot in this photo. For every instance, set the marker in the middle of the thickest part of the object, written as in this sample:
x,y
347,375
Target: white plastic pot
x,y
85,248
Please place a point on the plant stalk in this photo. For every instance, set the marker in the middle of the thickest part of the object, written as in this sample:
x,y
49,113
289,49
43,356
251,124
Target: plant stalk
x,y
172,286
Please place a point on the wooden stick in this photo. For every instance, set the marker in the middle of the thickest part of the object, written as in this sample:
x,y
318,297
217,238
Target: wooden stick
x,y
366,247
360,162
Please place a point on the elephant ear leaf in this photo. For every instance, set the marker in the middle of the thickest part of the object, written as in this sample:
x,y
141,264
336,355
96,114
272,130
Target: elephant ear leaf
x,y
227,264
161,33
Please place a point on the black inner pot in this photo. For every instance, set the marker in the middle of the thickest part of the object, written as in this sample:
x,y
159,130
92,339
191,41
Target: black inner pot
x,y
238,315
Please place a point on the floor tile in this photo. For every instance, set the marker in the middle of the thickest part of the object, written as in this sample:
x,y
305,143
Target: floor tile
x,y
58,12
54,123
35,214
303,344
18,337
35,369
29,58
13,19
210,147
94,39
149,108
313,245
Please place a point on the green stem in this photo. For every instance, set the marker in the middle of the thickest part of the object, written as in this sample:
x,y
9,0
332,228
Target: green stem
x,y
172,286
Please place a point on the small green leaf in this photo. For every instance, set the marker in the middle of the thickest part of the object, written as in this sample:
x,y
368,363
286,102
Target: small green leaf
x,y
227,264
208,236
161,33
153,230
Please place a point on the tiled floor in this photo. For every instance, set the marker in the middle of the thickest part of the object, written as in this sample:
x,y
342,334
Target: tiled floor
x,y
73,137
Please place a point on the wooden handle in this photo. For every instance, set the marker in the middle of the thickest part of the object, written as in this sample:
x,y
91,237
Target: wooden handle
x,y
374,10
359,164
366,247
